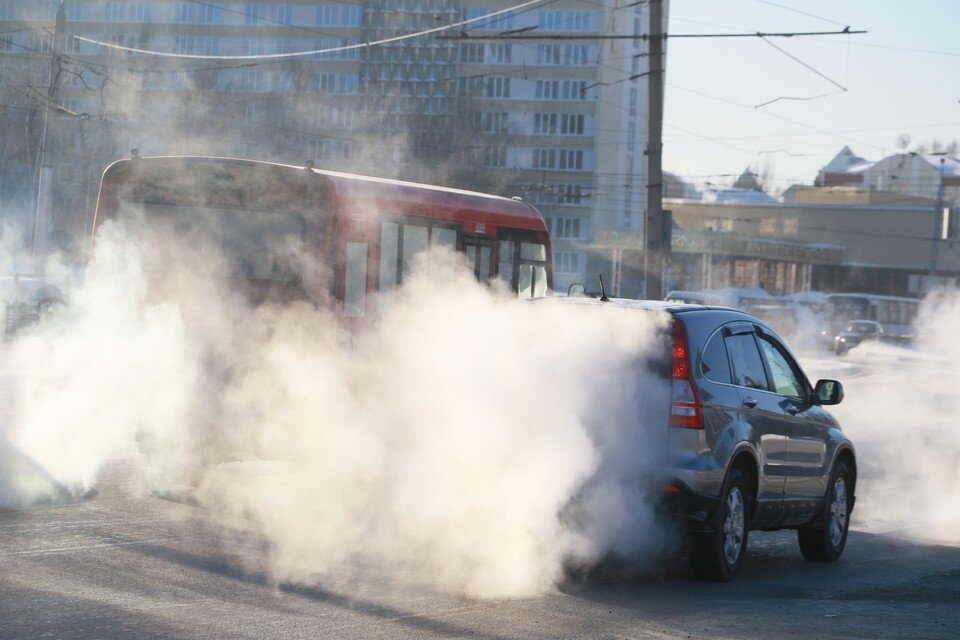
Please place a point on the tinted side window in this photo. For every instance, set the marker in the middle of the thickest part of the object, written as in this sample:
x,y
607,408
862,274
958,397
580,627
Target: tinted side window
x,y
785,380
714,364
745,361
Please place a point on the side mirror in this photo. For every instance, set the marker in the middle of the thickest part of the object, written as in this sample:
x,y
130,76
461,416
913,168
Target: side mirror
x,y
828,392
576,290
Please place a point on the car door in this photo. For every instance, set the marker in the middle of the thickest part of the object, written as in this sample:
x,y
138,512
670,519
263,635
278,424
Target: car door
x,y
759,408
807,432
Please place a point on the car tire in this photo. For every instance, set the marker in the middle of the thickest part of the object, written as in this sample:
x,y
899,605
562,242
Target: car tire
x,y
823,539
718,554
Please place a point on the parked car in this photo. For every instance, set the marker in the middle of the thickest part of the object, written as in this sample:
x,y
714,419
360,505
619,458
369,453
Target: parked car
x,y
750,444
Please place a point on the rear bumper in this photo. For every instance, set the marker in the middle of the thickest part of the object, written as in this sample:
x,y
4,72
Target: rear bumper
x,y
694,509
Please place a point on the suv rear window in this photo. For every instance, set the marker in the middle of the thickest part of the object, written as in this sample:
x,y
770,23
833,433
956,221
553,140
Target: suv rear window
x,y
714,364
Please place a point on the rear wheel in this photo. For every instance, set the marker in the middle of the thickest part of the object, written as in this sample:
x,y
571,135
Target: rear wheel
x,y
718,554
823,539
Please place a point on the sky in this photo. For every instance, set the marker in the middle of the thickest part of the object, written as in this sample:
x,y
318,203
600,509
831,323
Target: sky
x,y
902,77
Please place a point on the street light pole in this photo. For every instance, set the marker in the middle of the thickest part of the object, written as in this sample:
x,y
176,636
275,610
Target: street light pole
x,y
42,220
653,224
937,226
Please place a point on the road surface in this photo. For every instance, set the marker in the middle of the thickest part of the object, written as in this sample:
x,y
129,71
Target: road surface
x,y
126,565
117,566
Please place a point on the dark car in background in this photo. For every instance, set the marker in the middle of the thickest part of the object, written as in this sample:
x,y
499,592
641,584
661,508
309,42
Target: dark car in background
x,y
750,445
861,331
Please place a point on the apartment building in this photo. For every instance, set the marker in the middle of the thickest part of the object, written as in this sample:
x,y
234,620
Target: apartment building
x,y
558,122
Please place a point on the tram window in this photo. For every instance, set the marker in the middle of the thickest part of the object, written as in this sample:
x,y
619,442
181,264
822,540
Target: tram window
x,y
533,281
532,251
444,237
355,281
414,242
389,235
505,265
484,271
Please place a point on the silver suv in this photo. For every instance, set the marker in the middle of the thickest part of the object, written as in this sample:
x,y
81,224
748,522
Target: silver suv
x,y
750,446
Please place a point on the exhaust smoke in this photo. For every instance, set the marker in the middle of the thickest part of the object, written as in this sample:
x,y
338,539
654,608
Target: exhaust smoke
x,y
464,440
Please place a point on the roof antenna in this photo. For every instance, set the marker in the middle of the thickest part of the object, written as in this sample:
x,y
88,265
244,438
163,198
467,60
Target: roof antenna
x,y
603,292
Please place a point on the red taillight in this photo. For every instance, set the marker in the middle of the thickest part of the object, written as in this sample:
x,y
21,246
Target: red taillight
x,y
685,408
681,364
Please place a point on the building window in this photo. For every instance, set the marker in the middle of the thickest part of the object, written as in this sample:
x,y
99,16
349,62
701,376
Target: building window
x,y
333,149
564,20
339,83
566,262
254,81
571,124
268,13
185,45
74,10
502,21
498,87
209,13
491,122
548,89
544,158
565,228
571,159
570,194
576,54
471,86
549,53
472,52
6,9
494,156
561,90
545,123
500,53
332,15
347,54
335,117
184,12
114,11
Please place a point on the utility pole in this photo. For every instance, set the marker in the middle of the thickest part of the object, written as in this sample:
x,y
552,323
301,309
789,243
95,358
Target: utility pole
x,y
937,226
654,251
43,217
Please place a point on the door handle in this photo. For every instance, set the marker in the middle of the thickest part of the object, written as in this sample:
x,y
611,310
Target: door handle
x,y
792,409
749,402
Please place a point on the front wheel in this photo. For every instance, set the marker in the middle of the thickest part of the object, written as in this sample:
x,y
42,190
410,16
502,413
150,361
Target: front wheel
x,y
823,539
718,554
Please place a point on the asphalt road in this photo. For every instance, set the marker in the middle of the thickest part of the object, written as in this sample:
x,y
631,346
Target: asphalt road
x,y
126,565
117,566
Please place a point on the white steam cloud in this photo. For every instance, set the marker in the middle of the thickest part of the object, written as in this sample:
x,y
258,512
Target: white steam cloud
x,y
465,440
902,411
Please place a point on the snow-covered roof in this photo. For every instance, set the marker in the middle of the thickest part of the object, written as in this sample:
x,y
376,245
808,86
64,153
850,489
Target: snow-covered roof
x,y
951,166
731,194
847,162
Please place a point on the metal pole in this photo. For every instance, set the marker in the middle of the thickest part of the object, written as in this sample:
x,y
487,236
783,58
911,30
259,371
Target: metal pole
x,y
653,250
42,216
937,226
